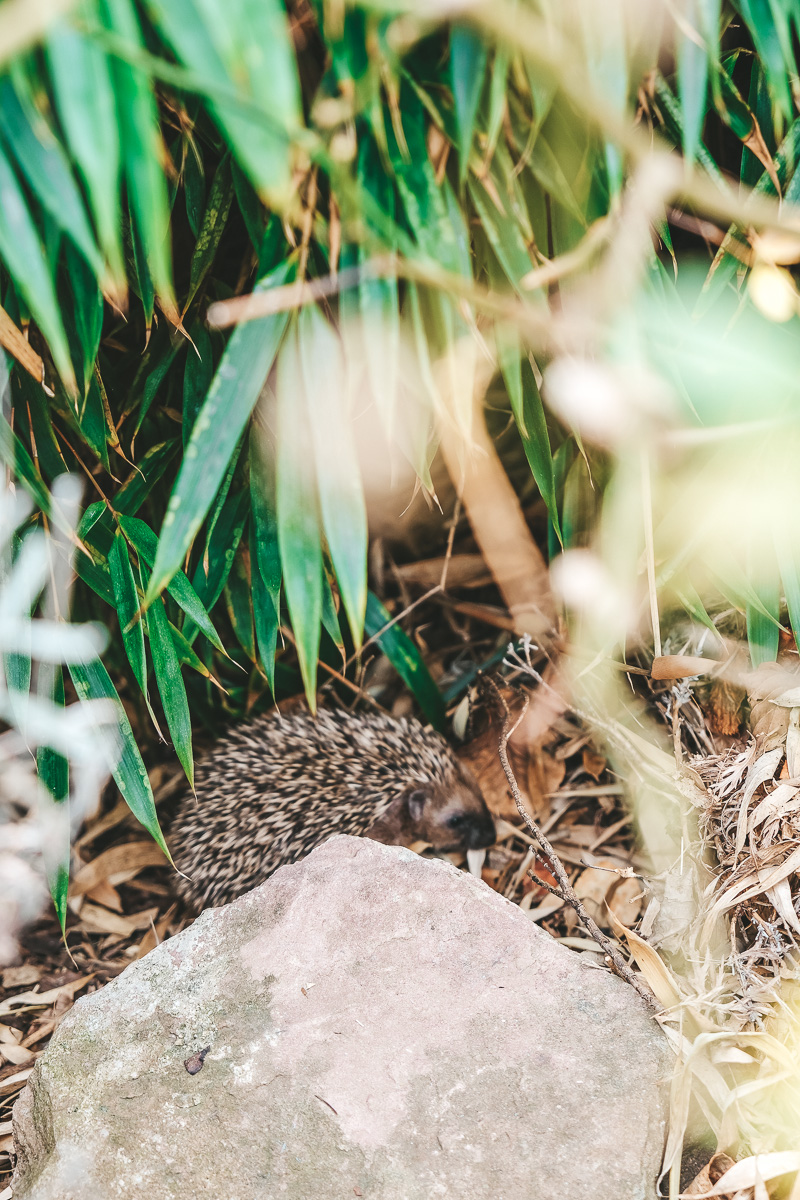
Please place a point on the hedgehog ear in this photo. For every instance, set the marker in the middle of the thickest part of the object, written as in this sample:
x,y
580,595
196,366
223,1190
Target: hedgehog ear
x,y
415,803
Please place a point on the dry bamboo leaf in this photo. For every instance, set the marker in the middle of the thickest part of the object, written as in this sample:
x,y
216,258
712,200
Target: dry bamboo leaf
x,y
657,974
26,1000
775,804
769,724
12,1082
758,1168
14,341
17,1055
593,763
10,1036
710,1174
463,570
22,976
780,897
681,666
106,895
762,769
626,901
118,860
93,918
593,885
755,883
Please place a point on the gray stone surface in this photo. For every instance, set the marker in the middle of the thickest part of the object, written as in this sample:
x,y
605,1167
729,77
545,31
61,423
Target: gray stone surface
x,y
378,1025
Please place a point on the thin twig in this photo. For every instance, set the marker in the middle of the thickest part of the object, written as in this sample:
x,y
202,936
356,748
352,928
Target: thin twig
x,y
565,890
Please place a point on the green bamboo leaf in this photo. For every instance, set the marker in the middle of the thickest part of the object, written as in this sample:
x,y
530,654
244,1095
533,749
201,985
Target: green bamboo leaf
x,y
763,631
406,660
266,612
142,151
127,601
240,376
221,545
298,522
215,218
17,458
692,85
533,431
330,617
503,234
145,542
341,496
151,466
237,593
92,682
265,558
45,167
171,687
468,58
245,48
187,656
197,375
23,257
770,29
84,95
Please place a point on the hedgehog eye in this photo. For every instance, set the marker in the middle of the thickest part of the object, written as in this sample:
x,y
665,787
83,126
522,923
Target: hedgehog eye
x,y
415,803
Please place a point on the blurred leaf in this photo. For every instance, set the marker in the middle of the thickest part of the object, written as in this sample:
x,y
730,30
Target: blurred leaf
x,y
406,660
92,682
21,251
341,495
45,167
532,424
238,601
243,47
468,57
142,154
84,95
53,771
266,615
20,463
298,521
769,28
240,376
692,84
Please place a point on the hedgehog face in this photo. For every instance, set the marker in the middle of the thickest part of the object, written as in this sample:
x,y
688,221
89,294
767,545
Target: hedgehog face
x,y
451,814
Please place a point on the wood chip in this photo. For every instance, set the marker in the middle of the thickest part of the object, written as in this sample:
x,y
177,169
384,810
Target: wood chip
x,y
27,1000
23,976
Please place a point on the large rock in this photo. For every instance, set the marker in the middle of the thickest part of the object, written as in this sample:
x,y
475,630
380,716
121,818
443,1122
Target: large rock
x,y
377,1025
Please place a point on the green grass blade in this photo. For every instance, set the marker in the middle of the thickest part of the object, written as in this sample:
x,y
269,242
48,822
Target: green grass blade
x,y
406,660
237,383
92,682
298,522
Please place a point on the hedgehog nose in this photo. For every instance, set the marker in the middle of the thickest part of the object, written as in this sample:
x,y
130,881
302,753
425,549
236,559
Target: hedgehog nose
x,y
481,833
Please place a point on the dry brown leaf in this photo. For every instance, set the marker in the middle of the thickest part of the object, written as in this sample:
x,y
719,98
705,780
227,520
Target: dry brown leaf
x,y
12,1082
27,1000
116,865
22,976
18,1055
106,895
592,887
626,901
93,917
463,570
769,724
659,977
711,1173
593,763
680,666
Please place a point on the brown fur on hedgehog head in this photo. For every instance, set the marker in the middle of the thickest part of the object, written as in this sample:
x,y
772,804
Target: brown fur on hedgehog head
x,y
448,813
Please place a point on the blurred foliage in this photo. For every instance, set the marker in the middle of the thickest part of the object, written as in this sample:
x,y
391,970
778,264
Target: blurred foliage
x,y
161,156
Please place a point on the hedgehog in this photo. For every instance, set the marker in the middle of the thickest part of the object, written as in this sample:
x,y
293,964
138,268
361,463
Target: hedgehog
x,y
274,788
